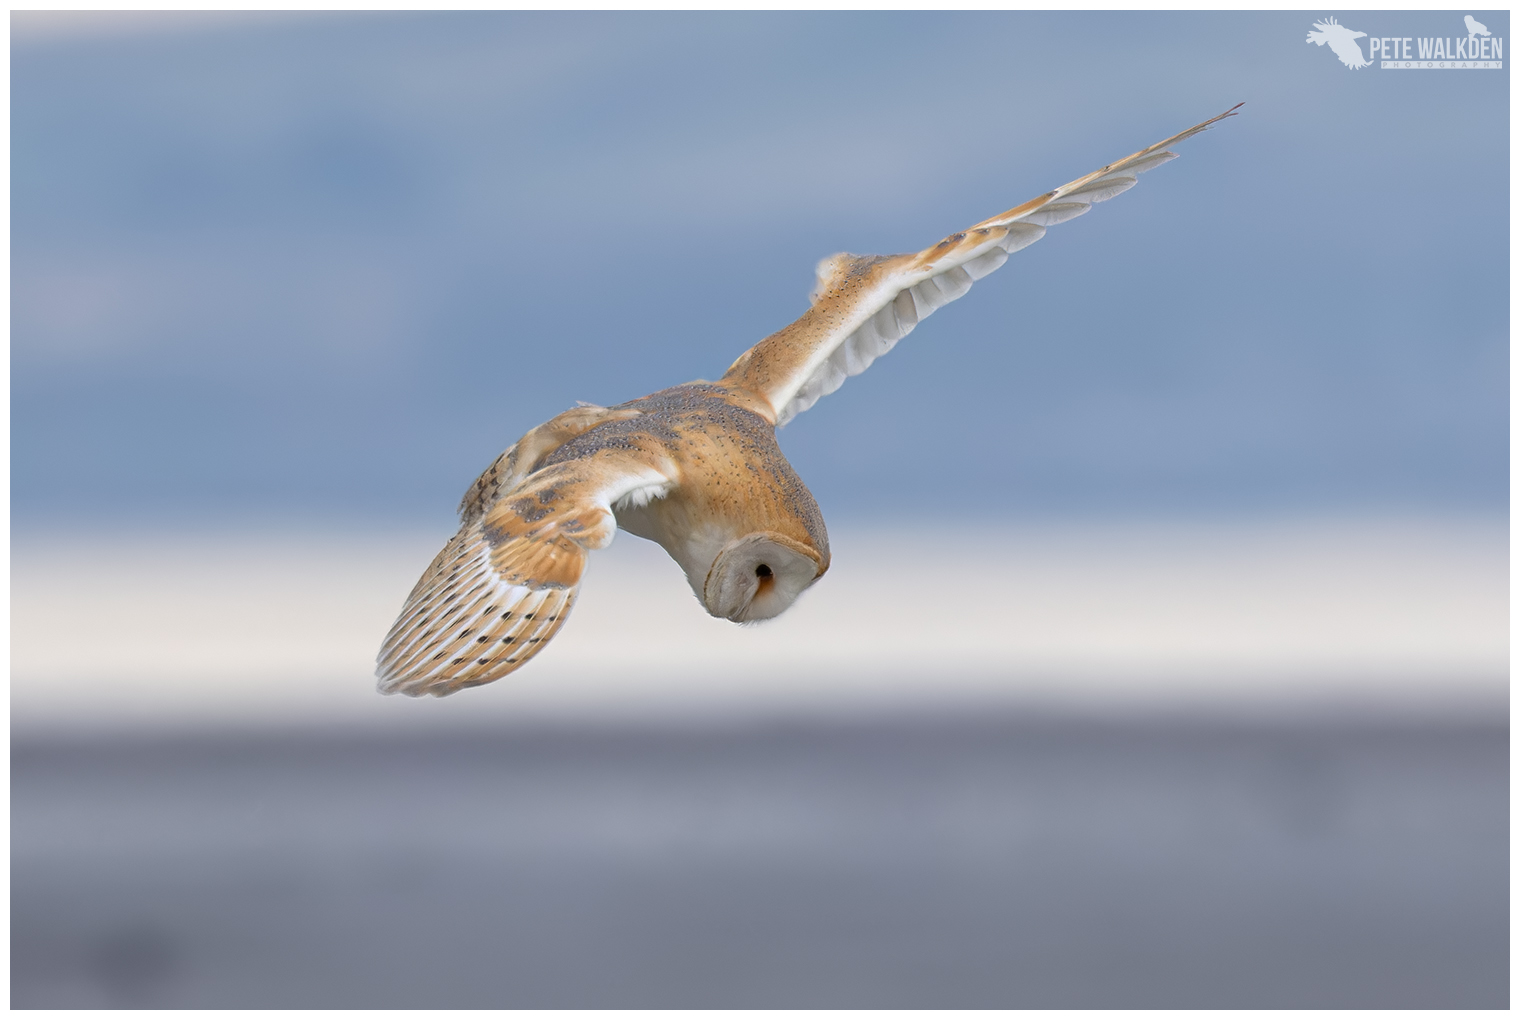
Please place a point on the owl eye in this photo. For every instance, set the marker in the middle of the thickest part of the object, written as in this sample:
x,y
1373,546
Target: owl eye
x,y
762,571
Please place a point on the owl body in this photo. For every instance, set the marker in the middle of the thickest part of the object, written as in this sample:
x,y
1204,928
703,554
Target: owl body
x,y
695,467
730,480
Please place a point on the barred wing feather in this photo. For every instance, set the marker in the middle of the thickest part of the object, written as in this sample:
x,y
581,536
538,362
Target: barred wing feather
x,y
503,586
863,305
466,624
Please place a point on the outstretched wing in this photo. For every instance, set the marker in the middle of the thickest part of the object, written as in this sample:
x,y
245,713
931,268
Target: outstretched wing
x,y
503,586
863,305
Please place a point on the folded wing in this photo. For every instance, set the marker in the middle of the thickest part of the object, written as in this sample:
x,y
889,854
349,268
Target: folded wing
x,y
863,305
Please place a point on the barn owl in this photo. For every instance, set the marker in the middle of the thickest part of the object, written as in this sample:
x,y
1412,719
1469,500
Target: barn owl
x,y
695,467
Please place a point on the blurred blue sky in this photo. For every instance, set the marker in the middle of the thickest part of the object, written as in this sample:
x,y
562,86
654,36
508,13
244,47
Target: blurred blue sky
x,y
324,267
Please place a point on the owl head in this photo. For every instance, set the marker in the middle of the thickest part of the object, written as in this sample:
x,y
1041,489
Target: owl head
x,y
758,576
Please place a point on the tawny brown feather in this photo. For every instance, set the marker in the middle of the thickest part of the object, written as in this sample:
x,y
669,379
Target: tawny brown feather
x,y
523,457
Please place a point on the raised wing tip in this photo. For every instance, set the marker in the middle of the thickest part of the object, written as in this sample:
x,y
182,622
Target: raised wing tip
x,y
1189,133
1231,112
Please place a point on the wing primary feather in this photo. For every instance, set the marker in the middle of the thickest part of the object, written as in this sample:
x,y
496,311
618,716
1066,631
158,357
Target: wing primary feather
x,y
953,283
1139,166
926,298
1056,213
985,263
1021,236
1105,188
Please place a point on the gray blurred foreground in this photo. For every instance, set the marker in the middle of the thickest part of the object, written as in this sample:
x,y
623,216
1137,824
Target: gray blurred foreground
x,y
950,862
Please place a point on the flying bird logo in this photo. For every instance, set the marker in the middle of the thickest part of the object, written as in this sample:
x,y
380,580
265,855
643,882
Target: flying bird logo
x,y
1342,41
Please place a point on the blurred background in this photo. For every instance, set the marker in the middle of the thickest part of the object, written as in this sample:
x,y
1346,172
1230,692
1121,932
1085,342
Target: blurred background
x,y
1201,696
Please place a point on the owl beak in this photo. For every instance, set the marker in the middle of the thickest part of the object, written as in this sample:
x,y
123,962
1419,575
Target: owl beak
x,y
758,576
